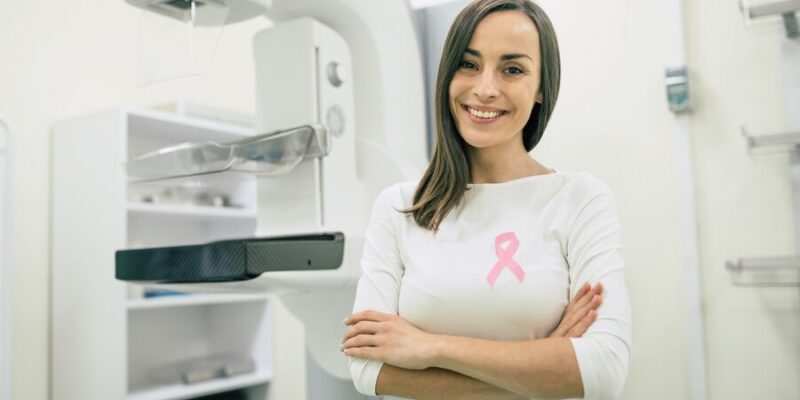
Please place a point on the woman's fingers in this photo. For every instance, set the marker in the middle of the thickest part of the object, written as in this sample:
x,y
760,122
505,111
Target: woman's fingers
x,y
593,304
360,341
586,300
361,328
576,303
578,296
581,319
580,302
368,315
583,325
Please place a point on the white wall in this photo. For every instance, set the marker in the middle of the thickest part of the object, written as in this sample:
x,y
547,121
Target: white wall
x,y
5,306
64,58
744,202
613,121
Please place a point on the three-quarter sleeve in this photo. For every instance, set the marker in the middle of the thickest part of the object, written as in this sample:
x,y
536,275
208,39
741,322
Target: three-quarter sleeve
x,y
379,285
594,254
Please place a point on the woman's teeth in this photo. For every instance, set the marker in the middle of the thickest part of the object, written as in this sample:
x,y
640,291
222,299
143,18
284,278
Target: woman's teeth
x,y
483,114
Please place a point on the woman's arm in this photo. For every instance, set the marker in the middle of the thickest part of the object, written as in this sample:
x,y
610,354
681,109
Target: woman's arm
x,y
545,367
535,368
554,373
420,382
438,384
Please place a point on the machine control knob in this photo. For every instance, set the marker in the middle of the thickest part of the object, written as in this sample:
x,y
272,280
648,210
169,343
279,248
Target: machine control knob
x,y
337,74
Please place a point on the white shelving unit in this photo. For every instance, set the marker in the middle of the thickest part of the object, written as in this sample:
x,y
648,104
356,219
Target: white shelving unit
x,y
145,210
194,300
108,340
178,392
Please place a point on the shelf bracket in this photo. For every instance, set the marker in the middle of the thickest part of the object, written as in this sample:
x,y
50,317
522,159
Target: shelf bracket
x,y
787,9
773,271
790,23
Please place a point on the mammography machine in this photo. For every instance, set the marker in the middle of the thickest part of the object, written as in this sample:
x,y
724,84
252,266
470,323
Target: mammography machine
x,y
341,105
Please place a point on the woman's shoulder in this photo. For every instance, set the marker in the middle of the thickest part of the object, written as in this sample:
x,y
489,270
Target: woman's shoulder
x,y
585,181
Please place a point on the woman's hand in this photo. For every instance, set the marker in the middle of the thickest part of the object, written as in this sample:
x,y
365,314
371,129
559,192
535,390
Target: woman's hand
x,y
389,338
580,312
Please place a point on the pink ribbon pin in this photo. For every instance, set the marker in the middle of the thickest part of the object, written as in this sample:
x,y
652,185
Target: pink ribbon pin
x,y
505,257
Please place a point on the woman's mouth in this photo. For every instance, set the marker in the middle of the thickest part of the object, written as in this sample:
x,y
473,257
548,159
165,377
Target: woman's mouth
x,y
483,116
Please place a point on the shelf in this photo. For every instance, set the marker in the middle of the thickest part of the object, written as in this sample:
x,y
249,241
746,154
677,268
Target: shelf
x,y
192,211
180,391
773,271
192,299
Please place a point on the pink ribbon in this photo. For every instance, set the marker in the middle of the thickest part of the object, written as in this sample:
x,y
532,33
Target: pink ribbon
x,y
505,259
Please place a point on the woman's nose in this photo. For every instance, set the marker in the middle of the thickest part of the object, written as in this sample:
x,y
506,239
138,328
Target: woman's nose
x,y
486,86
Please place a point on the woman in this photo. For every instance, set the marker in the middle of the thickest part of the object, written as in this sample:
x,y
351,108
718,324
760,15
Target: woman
x,y
477,279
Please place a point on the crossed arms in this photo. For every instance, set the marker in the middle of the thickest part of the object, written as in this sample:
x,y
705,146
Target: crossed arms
x,y
420,365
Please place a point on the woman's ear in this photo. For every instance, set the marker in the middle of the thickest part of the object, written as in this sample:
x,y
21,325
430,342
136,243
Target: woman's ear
x,y
539,98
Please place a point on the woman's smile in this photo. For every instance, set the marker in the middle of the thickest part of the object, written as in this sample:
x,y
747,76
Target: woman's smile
x,y
483,114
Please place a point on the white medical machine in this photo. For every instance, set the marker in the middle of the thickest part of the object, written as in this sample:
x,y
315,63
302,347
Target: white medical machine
x,y
340,102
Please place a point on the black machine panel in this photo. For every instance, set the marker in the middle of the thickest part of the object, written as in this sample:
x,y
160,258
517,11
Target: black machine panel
x,y
231,260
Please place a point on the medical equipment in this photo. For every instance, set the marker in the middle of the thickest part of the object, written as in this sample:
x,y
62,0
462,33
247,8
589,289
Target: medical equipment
x,y
355,69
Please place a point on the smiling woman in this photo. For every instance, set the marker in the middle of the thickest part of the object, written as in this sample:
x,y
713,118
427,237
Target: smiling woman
x,y
485,279
524,74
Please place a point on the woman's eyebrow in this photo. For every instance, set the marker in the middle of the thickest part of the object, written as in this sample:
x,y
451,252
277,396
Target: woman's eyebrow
x,y
513,56
504,57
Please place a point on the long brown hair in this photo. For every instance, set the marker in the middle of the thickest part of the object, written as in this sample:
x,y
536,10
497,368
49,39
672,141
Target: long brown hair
x,y
443,185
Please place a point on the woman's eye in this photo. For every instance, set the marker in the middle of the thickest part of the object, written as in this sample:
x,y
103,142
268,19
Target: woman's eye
x,y
514,70
467,65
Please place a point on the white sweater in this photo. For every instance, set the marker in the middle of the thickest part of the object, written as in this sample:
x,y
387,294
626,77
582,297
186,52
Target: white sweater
x,y
503,266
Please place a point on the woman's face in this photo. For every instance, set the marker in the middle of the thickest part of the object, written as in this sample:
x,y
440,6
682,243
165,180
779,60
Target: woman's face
x,y
496,85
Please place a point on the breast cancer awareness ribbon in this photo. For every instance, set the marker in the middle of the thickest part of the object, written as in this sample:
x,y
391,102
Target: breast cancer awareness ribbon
x,y
505,257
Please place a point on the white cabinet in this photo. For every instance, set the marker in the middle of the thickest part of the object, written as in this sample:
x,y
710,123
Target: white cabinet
x,y
108,340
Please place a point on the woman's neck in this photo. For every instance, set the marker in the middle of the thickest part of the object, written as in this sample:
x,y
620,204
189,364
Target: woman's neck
x,y
491,165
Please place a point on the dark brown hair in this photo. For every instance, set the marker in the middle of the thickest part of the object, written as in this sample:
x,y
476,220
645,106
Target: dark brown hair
x,y
443,185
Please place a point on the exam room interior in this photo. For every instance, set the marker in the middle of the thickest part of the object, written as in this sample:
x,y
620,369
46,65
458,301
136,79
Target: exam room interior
x,y
61,59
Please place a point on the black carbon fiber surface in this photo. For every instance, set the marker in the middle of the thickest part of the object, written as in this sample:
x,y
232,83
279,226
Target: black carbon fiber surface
x,y
231,260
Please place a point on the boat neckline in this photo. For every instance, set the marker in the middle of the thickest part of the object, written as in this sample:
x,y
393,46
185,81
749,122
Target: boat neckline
x,y
513,181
